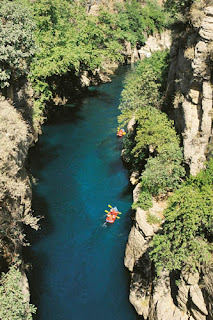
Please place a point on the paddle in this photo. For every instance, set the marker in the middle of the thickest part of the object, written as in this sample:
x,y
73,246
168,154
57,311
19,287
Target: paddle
x,y
109,206
118,217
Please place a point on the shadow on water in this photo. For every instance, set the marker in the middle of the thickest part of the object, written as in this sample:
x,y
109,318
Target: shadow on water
x,y
43,154
36,260
72,112
126,191
114,167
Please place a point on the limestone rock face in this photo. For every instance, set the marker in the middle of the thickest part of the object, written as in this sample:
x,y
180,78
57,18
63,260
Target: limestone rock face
x,y
190,82
131,124
164,298
208,290
163,307
134,178
145,228
155,43
135,248
136,192
15,188
197,299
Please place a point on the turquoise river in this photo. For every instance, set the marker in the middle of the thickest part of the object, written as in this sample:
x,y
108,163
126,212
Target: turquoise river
x,y
78,271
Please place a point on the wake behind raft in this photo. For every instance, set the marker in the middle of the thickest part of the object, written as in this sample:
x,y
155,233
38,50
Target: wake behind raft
x,y
112,215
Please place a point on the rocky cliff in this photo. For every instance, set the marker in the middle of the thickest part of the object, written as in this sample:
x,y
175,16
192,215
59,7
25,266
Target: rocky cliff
x,y
163,297
178,296
190,86
15,188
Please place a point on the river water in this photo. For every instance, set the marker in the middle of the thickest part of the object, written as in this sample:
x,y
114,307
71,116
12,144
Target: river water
x,y
78,271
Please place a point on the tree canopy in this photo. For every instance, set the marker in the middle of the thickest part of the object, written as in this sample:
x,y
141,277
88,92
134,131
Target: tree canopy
x,y
17,45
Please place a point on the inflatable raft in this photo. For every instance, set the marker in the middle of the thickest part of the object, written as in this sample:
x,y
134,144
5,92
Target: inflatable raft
x,y
121,132
112,215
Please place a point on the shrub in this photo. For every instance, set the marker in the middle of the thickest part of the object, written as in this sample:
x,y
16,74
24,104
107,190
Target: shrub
x,y
188,226
14,306
163,173
152,219
144,201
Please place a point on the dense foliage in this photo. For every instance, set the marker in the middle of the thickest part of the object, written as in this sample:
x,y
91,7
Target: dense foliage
x,y
17,45
72,41
144,87
155,141
144,200
14,306
68,39
188,226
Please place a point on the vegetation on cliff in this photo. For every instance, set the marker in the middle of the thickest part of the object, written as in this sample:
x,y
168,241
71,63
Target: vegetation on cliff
x,y
154,149
185,237
14,305
185,240
71,41
15,210
17,45
68,41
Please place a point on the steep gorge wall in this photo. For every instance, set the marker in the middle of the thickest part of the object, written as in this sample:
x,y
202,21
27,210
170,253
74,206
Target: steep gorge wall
x,y
190,94
190,86
162,297
15,187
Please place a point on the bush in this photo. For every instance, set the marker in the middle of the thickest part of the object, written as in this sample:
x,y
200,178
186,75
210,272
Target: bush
x,y
152,219
144,201
14,305
163,173
188,226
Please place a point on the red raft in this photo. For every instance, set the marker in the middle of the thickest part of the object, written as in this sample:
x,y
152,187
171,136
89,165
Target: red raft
x,y
112,215
121,132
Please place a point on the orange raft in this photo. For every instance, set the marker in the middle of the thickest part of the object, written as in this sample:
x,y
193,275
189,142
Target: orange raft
x,y
121,132
112,215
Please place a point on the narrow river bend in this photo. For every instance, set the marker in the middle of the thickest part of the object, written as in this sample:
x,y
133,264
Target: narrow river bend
x,y
78,271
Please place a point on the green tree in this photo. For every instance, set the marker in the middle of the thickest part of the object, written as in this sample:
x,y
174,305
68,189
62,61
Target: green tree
x,y
14,306
16,39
